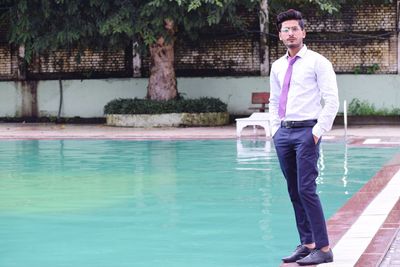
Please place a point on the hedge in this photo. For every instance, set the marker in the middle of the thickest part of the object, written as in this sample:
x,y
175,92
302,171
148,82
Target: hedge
x,y
145,106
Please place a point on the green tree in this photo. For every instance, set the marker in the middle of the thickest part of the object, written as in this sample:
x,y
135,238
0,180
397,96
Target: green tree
x,y
38,26
162,22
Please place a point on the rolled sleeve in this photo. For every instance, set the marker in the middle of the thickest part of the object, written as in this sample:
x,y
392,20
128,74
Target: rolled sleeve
x,y
326,79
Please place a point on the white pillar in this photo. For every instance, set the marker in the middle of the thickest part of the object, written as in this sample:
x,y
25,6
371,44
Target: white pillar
x,y
136,60
264,30
398,36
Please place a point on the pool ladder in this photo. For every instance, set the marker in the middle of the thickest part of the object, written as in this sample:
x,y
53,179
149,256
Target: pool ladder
x,y
345,118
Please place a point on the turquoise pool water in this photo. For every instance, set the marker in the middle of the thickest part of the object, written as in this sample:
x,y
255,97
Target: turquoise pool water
x,y
159,203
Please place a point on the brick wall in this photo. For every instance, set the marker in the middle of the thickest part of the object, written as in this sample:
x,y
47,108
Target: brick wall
x,y
216,57
86,64
356,39
367,18
5,61
219,57
220,51
347,57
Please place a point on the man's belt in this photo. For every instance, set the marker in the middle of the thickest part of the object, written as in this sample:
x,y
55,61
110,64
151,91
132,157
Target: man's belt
x,y
298,124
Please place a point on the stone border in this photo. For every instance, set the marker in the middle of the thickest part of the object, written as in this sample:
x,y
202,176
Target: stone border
x,y
168,120
348,214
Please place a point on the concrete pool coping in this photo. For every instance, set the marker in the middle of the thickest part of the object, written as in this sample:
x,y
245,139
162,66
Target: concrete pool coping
x,y
369,221
388,134
380,238
373,232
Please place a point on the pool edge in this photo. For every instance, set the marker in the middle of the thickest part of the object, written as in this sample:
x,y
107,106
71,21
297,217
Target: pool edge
x,y
348,214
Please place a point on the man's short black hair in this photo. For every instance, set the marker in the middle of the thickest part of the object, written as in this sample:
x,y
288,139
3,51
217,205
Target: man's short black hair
x,y
290,14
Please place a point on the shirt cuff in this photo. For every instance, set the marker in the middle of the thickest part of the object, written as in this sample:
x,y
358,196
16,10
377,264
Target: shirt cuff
x,y
317,131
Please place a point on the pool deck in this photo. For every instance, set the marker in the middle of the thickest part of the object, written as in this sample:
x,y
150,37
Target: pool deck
x,y
364,232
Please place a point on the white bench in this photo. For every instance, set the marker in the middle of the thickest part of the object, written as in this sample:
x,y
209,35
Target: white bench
x,y
255,119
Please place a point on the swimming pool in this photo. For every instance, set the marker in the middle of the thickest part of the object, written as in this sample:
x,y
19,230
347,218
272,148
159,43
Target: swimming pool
x,y
159,203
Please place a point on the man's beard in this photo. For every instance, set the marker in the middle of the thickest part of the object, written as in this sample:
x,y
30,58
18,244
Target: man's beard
x,y
291,46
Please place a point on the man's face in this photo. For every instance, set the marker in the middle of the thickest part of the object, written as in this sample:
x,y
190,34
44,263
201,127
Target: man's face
x,y
291,34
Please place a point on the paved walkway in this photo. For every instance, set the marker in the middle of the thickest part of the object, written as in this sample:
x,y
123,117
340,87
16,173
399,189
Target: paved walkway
x,y
375,135
43,131
392,258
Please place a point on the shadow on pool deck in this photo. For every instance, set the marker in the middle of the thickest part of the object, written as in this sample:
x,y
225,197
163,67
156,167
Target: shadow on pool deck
x,y
381,249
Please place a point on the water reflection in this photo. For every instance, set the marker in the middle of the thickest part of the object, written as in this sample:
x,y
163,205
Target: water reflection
x,y
346,169
63,175
333,160
257,158
253,149
169,201
253,154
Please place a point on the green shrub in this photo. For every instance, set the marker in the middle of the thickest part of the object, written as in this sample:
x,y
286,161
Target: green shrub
x,y
144,106
372,69
363,108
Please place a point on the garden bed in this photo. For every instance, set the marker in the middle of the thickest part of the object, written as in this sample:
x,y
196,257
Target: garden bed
x,y
168,120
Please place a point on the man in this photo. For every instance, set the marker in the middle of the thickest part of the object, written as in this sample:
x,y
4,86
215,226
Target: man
x,y
299,81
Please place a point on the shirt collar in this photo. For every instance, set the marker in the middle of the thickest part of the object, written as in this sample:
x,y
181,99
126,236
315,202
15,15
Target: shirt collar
x,y
301,53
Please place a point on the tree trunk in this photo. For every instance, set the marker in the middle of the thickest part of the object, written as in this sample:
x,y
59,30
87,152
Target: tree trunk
x,y
264,47
162,82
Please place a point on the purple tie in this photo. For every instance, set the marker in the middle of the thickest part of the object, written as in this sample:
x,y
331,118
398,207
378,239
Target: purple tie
x,y
285,88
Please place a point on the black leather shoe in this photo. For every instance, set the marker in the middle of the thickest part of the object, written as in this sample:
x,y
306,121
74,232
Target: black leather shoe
x,y
300,252
316,257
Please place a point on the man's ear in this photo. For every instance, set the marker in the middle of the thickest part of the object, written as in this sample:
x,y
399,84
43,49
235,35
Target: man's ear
x,y
280,37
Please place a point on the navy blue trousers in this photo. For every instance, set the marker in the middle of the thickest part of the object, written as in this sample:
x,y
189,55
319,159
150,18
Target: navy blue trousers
x,y
298,157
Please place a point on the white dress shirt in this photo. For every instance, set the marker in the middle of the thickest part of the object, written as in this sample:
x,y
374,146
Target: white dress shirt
x,y
313,80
